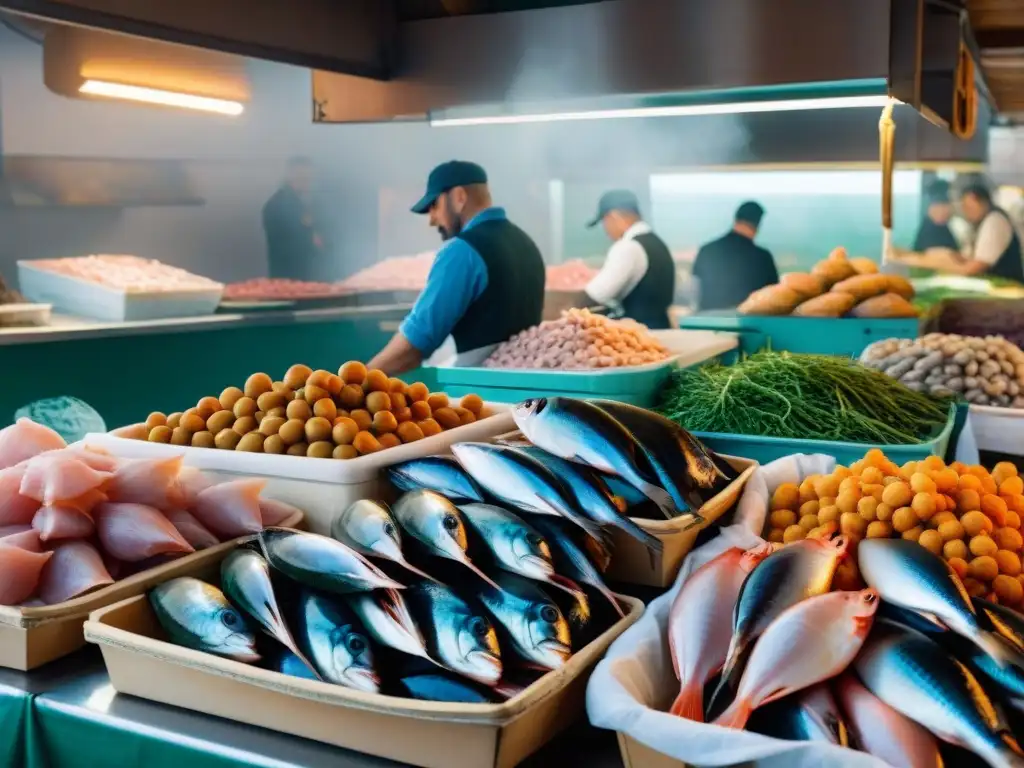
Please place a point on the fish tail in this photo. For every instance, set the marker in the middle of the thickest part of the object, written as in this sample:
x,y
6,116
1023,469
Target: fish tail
x,y
737,715
607,594
724,688
996,647
725,470
649,540
690,702
657,494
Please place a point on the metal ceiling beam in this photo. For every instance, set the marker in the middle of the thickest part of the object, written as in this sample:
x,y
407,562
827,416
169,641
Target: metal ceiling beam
x,y
1000,38
354,37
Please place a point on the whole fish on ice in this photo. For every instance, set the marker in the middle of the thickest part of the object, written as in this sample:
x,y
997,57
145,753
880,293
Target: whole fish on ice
x,y
578,431
321,562
334,643
197,615
367,527
441,474
807,643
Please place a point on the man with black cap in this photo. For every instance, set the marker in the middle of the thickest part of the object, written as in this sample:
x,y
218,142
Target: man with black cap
x,y
638,275
731,268
487,280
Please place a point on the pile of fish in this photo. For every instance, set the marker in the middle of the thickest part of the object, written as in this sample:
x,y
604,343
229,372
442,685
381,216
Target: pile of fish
x,y
910,670
75,518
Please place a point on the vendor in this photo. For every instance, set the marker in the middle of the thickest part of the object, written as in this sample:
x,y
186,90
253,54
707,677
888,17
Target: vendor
x,y
487,280
638,275
934,231
996,250
732,267
295,246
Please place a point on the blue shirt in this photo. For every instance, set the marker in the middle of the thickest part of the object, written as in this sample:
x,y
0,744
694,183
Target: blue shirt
x,y
457,278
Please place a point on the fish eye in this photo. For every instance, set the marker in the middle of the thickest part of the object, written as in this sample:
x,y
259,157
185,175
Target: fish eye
x,y
389,529
230,619
548,614
356,644
535,539
451,522
870,597
478,627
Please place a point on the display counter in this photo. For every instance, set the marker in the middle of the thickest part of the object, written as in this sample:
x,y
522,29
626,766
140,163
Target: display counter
x,y
125,370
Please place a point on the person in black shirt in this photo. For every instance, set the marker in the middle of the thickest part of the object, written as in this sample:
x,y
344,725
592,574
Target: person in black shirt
x,y
730,268
934,231
295,247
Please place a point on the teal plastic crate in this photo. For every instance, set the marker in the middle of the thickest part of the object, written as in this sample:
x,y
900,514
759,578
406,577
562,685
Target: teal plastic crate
x,y
842,336
766,449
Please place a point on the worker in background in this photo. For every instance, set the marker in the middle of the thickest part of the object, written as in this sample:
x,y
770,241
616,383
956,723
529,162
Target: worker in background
x,y
934,231
487,280
295,246
996,249
638,276
732,267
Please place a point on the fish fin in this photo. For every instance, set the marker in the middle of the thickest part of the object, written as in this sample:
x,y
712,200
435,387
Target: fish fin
x,y
607,594
700,465
725,470
1001,652
649,540
727,683
475,569
289,642
661,497
581,610
737,715
690,702
413,569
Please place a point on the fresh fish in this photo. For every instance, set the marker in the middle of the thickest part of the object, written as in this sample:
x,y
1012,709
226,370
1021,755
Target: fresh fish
x,y
441,474
684,466
514,545
58,476
811,715
700,624
914,676
189,483
147,481
808,643
784,578
367,527
910,619
274,512
245,579
532,622
593,496
287,663
135,532
58,521
1008,678
25,439
579,431
458,637
910,576
20,570
15,509
75,568
571,561
438,687
520,481
230,509
437,524
625,494
880,730
22,537
386,617
334,643
97,457
197,615
321,562
1006,621
194,532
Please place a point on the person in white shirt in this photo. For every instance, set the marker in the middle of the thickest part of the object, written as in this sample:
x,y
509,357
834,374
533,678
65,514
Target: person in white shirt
x,y
638,275
996,248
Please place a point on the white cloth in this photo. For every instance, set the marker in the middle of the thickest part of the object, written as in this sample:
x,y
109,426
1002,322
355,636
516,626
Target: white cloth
x,y
993,238
624,268
634,684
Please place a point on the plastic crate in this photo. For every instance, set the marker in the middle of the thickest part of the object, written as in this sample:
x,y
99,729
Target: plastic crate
x,y
767,449
841,336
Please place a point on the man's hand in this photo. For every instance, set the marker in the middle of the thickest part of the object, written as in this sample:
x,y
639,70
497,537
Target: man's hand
x,y
397,357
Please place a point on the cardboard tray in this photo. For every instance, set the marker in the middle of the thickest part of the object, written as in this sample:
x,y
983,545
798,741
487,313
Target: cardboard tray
x,y
322,488
31,637
632,562
430,734
636,755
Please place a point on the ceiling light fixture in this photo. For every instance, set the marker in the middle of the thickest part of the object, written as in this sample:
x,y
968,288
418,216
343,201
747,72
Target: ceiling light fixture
x,y
157,96
682,110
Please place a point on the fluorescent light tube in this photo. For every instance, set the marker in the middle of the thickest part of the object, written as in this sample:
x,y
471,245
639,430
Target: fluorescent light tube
x,y
156,96
689,110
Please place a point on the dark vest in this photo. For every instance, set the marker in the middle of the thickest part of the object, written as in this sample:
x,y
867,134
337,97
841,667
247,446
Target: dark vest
x,y
1010,263
648,303
514,297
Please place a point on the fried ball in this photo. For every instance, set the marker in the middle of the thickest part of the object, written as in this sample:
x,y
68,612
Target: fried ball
x,y
786,496
398,401
257,384
362,418
879,529
465,416
969,501
319,378
874,490
809,522
207,406
897,495
984,568
959,566
245,425
245,406
1008,590
409,432
417,392
1008,538
274,444
429,427
227,439
931,540
396,386
974,587
420,410
155,419
318,429
852,524
298,449
312,393
283,389
229,397
389,440
946,480
375,381
173,419
847,576
344,431
403,414
848,501
352,372
270,400
271,426
366,443
437,400
923,506
192,422
326,409
219,421
794,533
866,508
982,546
180,436
1008,562
251,443
259,416
449,419
475,404
782,518
922,483
884,512
378,401
776,535
951,529
1012,518
345,452
352,396
995,508
297,375
903,519
976,523
955,548
872,476
321,449
384,421
810,507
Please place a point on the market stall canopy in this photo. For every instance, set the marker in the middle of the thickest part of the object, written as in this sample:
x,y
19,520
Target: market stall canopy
x,y
999,30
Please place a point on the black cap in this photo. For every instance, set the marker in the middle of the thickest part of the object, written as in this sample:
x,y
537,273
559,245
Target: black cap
x,y
454,173
937,192
750,212
616,200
